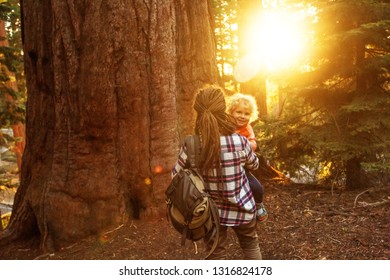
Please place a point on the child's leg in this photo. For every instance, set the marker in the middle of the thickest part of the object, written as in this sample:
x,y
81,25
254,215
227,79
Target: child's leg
x,y
258,192
256,187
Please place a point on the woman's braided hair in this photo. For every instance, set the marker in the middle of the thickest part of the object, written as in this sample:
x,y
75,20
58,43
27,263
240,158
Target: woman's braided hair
x,y
212,121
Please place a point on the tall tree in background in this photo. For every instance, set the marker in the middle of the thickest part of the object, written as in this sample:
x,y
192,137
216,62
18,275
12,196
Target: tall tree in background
x,y
337,110
110,87
351,84
12,86
225,12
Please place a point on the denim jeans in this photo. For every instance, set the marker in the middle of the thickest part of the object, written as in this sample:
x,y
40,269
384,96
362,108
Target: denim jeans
x,y
247,238
256,187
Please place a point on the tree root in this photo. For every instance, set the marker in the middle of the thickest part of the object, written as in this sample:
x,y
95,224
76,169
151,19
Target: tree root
x,y
22,224
7,236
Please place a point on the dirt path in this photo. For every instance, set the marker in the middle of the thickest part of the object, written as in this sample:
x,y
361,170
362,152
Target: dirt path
x,y
305,223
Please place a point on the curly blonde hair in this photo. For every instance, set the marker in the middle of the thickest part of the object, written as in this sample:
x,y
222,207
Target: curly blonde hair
x,y
239,98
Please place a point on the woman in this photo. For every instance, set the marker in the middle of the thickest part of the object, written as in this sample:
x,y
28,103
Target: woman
x,y
224,155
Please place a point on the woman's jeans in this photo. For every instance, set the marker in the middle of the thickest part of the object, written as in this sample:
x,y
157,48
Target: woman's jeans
x,y
247,238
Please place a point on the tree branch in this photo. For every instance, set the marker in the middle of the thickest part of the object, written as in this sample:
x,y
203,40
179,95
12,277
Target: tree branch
x,y
374,204
368,190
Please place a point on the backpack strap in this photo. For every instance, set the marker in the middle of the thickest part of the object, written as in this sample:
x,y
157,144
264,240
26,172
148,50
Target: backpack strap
x,y
215,235
193,150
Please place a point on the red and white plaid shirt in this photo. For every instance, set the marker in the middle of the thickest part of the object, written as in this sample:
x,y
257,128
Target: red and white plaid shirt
x,y
235,203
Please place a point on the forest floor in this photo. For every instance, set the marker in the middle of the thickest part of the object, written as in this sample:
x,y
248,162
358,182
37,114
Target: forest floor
x,y
305,223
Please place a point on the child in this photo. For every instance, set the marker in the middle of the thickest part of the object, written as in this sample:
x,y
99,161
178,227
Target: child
x,y
244,110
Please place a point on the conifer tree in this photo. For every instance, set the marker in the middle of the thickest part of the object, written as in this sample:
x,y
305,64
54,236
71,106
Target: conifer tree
x,y
339,113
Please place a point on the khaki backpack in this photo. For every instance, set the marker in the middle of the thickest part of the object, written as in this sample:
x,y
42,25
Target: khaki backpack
x,y
190,209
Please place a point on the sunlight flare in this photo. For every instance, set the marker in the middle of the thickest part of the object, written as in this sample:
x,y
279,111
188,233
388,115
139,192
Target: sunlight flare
x,y
247,67
274,42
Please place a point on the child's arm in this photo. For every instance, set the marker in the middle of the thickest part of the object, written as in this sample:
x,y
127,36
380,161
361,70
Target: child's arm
x,y
252,138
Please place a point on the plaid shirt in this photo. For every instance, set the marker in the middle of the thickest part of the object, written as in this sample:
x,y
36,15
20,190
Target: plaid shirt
x,y
235,202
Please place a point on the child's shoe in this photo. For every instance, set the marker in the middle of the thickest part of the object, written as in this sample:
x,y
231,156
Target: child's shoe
x,y
261,213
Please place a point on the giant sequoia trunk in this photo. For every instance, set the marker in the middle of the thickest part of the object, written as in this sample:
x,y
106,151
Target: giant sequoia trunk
x,y
110,88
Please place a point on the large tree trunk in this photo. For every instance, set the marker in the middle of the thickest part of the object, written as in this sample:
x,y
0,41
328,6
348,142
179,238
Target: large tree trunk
x,y
110,88
353,174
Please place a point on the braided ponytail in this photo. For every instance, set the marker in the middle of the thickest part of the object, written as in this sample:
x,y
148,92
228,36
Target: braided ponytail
x,y
211,122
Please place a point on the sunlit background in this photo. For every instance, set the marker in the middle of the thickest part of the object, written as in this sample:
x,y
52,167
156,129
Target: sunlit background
x,y
277,39
311,65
